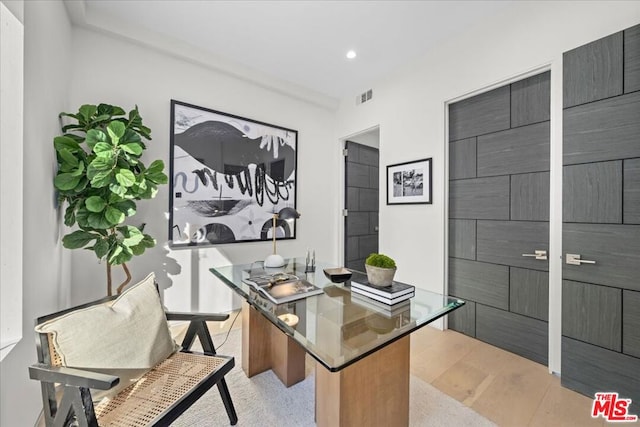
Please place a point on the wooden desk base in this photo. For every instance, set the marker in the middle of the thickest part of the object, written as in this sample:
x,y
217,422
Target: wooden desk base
x,y
265,347
372,391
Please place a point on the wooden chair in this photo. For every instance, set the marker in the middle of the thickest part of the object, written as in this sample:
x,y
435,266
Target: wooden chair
x,y
155,399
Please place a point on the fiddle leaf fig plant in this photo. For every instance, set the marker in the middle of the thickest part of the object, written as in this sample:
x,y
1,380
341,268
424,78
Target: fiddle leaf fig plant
x,y
101,176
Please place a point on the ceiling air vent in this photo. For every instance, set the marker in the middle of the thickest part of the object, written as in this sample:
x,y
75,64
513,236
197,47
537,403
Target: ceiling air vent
x,y
364,97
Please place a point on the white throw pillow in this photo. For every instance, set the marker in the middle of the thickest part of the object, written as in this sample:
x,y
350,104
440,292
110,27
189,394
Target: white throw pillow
x,y
130,332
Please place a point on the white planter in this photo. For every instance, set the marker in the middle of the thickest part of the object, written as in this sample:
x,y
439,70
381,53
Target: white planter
x,y
378,276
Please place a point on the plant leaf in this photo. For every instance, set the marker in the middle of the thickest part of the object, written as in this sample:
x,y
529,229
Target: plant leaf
x,y
101,179
79,170
158,178
118,190
95,204
61,142
102,163
87,111
128,207
132,148
114,216
95,136
99,220
69,216
115,130
132,236
125,178
155,166
120,255
67,157
102,149
66,181
101,248
78,239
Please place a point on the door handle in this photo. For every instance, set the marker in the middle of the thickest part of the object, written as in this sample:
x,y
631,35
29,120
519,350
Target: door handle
x,y
575,259
539,254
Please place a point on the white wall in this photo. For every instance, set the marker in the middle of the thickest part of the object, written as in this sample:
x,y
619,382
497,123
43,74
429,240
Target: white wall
x,y
410,108
47,44
111,70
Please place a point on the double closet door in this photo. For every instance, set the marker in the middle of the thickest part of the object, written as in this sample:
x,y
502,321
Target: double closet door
x,y
498,216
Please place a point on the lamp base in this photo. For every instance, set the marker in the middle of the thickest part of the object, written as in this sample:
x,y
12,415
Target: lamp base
x,y
273,261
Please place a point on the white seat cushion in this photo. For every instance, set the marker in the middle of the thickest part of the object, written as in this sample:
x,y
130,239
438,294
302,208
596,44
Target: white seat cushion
x,y
130,332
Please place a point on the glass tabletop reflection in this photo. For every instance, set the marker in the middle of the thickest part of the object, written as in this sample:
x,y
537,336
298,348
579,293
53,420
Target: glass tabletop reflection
x,y
337,328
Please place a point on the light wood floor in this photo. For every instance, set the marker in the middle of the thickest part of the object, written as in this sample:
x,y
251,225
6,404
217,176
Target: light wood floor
x,y
505,388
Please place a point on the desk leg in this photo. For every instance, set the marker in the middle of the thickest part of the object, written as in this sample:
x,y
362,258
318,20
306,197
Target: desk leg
x,y
372,391
264,347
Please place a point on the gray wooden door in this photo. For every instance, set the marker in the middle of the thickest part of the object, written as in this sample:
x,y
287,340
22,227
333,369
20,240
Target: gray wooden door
x,y
601,217
361,204
499,215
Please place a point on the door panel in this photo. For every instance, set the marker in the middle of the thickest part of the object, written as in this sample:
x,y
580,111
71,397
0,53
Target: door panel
x,y
499,210
485,113
519,150
529,201
593,71
519,334
602,130
592,314
631,196
601,150
362,199
505,242
614,248
484,198
593,192
485,283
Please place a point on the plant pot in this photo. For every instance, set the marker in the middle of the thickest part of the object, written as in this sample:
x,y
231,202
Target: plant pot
x,y
378,276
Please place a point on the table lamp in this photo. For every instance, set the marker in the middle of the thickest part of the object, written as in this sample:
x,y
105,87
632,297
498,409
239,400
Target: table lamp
x,y
275,260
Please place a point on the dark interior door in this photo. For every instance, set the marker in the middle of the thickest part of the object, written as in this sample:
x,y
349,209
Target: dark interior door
x,y
361,203
601,217
499,216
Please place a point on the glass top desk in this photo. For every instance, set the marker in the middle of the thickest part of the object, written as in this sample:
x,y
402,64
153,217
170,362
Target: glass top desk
x,y
362,350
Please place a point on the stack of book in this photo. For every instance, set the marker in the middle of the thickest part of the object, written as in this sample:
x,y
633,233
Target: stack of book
x,y
390,295
381,308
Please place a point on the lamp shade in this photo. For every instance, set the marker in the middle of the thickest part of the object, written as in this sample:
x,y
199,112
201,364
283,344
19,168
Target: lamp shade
x,y
288,213
274,260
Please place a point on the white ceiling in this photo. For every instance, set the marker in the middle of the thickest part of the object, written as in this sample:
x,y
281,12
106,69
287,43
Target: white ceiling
x,y
303,42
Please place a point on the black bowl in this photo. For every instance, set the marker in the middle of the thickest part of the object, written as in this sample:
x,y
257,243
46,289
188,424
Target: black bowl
x,y
337,275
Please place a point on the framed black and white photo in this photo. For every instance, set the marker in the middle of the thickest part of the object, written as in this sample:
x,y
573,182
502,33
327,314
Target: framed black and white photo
x,y
409,183
229,175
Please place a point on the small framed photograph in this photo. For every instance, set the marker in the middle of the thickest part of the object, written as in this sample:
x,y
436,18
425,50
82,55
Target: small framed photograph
x,y
409,183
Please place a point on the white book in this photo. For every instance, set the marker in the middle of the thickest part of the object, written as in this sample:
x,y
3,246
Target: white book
x,y
389,301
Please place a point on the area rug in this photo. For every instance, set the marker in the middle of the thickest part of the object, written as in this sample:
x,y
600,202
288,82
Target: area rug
x,y
264,401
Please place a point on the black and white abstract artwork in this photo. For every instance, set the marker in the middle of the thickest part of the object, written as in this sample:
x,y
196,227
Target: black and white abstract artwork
x,y
229,175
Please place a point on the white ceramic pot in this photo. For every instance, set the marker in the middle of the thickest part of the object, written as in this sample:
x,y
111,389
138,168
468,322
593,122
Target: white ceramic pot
x,y
379,276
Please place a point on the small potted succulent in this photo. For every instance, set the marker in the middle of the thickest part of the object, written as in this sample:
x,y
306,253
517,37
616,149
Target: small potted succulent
x,y
380,269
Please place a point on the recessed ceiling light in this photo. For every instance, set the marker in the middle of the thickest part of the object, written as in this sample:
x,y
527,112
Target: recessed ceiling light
x,y
351,54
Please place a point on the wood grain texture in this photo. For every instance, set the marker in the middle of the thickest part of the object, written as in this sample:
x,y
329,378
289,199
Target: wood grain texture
x,y
480,198
357,175
592,192
631,323
462,238
368,155
372,391
520,150
592,314
462,159
368,199
603,130
357,223
615,248
593,71
480,282
529,293
265,347
588,369
631,192
504,242
521,335
632,59
481,114
463,319
530,197
531,100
